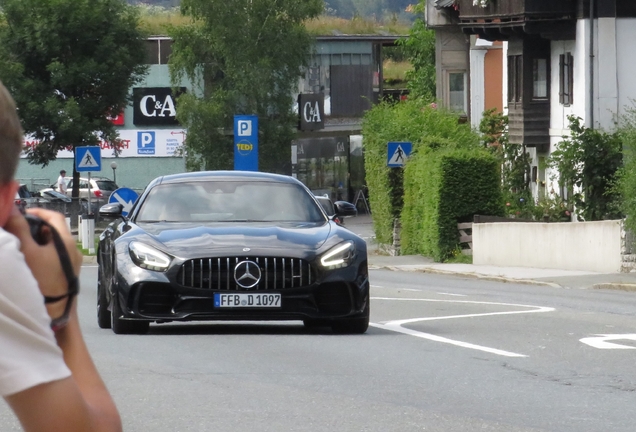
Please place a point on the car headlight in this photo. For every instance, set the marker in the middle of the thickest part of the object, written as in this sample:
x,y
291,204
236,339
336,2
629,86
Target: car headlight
x,y
148,257
338,256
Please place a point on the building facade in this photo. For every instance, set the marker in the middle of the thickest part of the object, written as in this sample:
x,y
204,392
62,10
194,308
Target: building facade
x,y
560,58
343,79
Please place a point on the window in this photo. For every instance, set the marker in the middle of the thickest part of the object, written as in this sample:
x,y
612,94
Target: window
x,y
566,78
539,78
158,50
515,78
457,91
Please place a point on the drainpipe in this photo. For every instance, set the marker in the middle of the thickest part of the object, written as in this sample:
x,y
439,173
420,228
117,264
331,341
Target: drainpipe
x,y
592,64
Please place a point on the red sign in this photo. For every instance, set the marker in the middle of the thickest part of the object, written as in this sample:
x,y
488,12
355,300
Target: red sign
x,y
117,120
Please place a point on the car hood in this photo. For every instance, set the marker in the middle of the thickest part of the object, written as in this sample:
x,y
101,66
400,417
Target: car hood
x,y
185,239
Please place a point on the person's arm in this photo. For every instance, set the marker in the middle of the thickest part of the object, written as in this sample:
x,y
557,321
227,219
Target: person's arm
x,y
78,403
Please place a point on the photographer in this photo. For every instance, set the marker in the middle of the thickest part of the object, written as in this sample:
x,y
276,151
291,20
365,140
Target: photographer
x,y
46,373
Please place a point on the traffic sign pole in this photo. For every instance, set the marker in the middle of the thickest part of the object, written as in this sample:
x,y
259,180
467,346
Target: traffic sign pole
x,y
89,209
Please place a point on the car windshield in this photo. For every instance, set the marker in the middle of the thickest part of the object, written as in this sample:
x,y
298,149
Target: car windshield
x,y
229,201
106,185
55,194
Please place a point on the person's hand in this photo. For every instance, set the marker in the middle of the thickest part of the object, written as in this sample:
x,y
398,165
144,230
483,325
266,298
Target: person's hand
x,y
43,260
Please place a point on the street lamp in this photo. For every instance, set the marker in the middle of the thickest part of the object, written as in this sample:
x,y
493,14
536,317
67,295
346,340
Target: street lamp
x,y
113,165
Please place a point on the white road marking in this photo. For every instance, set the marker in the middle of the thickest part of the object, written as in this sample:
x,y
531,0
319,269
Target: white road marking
x,y
410,289
451,294
376,286
396,325
434,338
601,341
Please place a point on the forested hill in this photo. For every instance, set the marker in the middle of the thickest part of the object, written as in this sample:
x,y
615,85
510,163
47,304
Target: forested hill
x,y
378,9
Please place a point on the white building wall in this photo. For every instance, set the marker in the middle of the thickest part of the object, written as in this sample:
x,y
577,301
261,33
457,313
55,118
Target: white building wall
x,y
504,76
606,80
559,113
477,86
626,63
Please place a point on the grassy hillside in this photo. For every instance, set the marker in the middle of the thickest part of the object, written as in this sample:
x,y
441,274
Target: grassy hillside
x,y
156,19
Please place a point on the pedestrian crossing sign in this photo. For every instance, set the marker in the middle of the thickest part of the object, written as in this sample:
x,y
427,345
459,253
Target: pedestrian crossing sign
x,y
398,153
88,158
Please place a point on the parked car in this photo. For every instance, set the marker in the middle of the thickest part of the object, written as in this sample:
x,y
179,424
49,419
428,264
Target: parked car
x,y
100,187
338,210
57,198
25,199
229,245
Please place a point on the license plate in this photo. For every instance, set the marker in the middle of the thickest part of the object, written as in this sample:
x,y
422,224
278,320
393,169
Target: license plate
x,y
246,300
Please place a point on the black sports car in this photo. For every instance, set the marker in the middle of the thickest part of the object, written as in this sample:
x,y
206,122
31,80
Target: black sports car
x,y
229,245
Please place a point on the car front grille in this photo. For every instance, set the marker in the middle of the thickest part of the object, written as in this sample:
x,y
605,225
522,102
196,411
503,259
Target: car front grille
x,y
218,273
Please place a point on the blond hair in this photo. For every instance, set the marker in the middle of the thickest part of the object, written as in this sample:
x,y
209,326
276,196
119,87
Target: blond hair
x,y
10,136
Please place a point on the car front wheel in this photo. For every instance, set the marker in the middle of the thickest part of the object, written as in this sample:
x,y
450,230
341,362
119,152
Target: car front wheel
x,y
121,326
103,314
358,325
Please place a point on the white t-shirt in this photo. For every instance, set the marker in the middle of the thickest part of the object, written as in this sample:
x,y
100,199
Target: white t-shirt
x,y
61,185
30,356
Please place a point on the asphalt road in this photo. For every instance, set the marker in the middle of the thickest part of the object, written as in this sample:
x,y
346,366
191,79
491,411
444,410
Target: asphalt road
x,y
443,354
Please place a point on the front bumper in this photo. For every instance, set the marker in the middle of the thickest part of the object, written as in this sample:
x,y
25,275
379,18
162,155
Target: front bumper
x,y
154,296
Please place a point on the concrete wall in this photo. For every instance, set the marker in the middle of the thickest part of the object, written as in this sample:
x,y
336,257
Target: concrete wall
x,y
586,246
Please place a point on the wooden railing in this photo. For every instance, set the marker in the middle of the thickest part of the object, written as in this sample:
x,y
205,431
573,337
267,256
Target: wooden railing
x,y
466,237
515,8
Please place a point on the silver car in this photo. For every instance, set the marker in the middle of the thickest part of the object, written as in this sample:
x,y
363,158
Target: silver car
x,y
100,188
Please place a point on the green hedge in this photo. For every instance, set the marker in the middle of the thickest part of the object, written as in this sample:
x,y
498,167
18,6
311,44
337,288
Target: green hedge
x,y
441,188
412,121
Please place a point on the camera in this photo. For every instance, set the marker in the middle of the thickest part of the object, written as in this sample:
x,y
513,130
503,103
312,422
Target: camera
x,y
36,225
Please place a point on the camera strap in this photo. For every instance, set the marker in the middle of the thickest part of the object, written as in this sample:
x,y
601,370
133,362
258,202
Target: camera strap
x,y
73,283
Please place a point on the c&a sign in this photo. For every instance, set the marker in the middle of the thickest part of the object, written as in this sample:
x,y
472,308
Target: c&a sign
x,y
155,106
311,110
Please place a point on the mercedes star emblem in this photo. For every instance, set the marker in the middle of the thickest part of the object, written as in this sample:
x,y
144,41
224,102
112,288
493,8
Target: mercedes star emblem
x,y
247,274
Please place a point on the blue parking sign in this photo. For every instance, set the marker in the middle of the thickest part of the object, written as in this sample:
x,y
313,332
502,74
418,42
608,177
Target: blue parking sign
x,y
246,142
146,142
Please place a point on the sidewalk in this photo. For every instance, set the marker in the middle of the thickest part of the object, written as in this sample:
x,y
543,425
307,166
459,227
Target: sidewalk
x,y
363,226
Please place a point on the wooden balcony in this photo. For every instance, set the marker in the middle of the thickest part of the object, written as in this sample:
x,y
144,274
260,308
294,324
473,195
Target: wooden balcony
x,y
500,19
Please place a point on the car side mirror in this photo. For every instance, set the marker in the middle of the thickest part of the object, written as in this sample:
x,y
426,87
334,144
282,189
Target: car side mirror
x,y
111,211
345,209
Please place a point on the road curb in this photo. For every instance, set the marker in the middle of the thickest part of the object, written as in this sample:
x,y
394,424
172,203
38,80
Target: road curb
x,y
470,275
616,286
89,259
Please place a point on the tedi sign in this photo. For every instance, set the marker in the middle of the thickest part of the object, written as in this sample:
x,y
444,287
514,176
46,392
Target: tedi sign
x,y
155,106
311,110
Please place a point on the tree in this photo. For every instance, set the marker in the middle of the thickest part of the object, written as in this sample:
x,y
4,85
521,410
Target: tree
x,y
515,163
69,64
247,57
420,48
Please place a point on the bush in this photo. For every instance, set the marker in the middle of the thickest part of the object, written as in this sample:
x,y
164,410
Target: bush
x,y
588,163
413,121
442,188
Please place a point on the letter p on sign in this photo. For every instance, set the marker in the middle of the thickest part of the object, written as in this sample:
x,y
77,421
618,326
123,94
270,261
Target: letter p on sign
x,y
245,128
146,139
